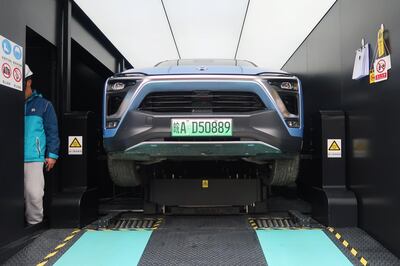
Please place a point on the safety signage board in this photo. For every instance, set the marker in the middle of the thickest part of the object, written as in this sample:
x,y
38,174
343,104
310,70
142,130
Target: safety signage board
x,y
381,69
75,145
11,55
334,148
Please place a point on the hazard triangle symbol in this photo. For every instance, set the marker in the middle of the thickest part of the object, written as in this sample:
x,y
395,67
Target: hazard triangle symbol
x,y
75,144
334,146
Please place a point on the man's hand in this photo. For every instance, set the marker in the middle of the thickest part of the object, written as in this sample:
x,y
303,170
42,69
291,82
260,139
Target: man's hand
x,y
50,163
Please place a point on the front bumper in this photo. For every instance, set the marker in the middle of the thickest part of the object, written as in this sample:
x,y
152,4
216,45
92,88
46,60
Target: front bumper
x,y
148,135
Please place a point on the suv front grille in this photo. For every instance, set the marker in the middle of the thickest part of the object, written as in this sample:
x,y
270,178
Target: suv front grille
x,y
201,101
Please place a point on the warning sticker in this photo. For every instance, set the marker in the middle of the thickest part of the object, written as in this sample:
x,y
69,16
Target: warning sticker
x,y
10,64
334,148
75,145
380,68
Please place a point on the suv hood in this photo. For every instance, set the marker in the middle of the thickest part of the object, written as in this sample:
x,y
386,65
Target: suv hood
x,y
202,70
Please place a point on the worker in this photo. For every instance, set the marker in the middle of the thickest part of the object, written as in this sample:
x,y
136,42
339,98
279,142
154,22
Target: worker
x,y
41,148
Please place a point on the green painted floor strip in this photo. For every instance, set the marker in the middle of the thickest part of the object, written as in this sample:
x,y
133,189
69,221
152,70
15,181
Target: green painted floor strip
x,y
300,247
106,248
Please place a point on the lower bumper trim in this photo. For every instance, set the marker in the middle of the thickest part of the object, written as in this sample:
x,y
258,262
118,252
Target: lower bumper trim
x,y
163,149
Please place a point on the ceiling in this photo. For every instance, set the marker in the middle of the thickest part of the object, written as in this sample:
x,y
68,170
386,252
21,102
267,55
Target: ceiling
x,y
266,32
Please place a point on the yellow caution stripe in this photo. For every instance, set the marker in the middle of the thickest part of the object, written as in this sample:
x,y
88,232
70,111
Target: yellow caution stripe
x,y
157,224
58,247
253,223
346,244
363,261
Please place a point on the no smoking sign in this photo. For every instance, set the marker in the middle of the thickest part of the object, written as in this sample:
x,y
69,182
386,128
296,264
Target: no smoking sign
x,y
17,74
381,66
381,69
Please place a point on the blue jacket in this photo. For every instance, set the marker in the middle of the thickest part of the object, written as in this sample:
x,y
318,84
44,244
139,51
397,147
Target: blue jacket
x,y
41,129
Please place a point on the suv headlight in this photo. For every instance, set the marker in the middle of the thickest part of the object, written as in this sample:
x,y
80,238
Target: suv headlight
x,y
116,93
284,84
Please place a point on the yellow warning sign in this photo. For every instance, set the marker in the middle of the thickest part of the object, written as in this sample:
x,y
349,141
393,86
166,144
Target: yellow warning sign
x,y
75,144
204,183
371,76
334,146
381,43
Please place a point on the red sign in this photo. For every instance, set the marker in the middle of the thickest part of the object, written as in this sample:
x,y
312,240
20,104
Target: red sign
x,y
17,74
381,66
6,70
381,69
382,76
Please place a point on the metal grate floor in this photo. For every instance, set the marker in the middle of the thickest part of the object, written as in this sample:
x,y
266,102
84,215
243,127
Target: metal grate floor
x,y
273,223
135,223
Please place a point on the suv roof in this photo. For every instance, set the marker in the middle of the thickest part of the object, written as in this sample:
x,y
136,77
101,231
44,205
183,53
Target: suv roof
x,y
206,62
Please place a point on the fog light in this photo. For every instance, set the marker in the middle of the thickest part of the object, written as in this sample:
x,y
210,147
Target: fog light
x,y
111,124
293,123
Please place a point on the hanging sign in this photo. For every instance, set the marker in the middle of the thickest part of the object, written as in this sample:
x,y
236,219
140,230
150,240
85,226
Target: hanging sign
x,y
382,61
371,76
380,69
361,62
10,64
381,42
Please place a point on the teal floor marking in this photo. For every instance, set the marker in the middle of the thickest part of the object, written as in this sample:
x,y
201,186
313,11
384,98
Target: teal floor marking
x,y
300,247
106,248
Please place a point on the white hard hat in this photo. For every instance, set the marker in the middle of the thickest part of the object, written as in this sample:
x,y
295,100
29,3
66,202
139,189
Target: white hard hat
x,y
28,71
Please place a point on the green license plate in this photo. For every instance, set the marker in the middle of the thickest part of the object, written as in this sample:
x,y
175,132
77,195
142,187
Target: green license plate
x,y
201,127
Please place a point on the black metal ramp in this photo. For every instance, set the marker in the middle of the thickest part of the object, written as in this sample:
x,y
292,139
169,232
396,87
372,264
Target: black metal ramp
x,y
37,252
201,240
360,248
204,240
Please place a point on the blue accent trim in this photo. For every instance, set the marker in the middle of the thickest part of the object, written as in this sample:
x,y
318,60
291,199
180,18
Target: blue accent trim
x,y
156,86
298,132
300,247
105,131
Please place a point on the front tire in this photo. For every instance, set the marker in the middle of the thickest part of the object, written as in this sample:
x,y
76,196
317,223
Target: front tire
x,y
284,172
124,173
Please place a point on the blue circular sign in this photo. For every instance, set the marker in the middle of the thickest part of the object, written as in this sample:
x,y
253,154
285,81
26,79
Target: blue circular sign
x,y
17,52
6,45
